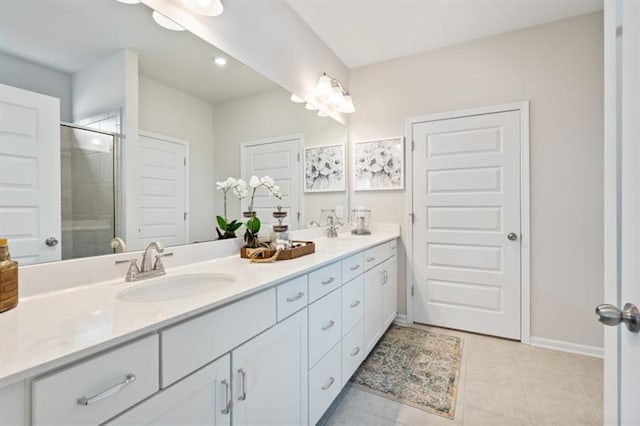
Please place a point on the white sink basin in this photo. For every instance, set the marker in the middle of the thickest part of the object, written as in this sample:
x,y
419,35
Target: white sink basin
x,y
352,238
165,289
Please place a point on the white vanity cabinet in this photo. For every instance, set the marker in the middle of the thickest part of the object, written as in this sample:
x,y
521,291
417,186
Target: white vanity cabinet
x,y
203,398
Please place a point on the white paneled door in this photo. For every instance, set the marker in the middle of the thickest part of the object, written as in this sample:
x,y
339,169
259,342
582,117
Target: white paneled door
x,y
466,232
30,215
280,159
163,176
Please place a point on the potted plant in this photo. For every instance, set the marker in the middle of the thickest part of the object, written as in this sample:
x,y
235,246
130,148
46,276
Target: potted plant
x,y
252,225
227,229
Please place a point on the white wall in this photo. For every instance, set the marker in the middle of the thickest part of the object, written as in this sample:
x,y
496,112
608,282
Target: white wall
x,y
269,37
559,68
267,115
27,75
170,112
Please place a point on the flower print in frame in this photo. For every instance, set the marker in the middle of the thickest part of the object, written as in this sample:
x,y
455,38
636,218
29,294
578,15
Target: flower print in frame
x,y
379,164
324,169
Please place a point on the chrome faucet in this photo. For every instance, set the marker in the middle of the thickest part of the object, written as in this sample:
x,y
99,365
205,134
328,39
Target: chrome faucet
x,y
149,267
332,227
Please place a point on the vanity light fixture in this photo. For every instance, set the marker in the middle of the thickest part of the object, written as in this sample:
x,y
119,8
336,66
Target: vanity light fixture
x,y
204,7
322,113
295,98
311,107
165,22
220,61
331,93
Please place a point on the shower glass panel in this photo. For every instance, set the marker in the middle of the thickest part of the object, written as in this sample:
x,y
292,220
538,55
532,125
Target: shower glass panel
x,y
88,191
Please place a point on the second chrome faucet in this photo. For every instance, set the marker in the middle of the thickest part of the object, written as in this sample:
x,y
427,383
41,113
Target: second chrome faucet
x,y
151,266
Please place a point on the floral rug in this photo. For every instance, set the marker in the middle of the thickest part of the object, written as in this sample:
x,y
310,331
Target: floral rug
x,y
414,367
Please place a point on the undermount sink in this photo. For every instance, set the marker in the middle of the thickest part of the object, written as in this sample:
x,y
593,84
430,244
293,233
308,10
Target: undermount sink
x,y
165,289
353,238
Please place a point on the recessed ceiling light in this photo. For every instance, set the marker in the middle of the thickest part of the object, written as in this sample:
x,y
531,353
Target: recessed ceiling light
x,y
165,22
129,1
220,61
204,7
295,98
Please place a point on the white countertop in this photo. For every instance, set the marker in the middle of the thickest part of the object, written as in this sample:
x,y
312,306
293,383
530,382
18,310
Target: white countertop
x,y
51,329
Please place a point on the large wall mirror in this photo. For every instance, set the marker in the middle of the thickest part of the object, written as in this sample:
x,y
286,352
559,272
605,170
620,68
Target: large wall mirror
x,y
112,126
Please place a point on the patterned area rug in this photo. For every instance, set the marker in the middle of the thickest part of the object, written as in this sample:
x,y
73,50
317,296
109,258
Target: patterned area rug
x,y
414,367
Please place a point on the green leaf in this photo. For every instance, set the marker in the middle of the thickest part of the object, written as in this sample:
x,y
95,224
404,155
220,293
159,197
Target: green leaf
x,y
233,226
222,224
253,225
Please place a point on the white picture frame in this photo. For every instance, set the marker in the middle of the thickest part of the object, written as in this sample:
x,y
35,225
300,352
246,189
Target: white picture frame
x,y
378,164
324,168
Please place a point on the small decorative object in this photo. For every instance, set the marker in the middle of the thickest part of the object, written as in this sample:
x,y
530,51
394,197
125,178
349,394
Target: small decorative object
x,y
324,169
360,220
225,228
280,237
8,278
251,237
379,164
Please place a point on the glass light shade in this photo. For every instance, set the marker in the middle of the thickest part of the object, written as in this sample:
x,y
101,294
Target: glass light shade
x,y
295,98
347,106
323,88
204,7
165,22
310,106
322,113
336,97
129,1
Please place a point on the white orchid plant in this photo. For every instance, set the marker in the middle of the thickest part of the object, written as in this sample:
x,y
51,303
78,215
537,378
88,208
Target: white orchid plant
x,y
253,223
227,229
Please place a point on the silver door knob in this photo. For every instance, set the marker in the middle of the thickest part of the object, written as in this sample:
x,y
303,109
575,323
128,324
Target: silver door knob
x,y
611,315
512,236
51,241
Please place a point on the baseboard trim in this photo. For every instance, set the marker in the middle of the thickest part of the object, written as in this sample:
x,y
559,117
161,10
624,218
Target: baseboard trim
x,y
401,320
575,348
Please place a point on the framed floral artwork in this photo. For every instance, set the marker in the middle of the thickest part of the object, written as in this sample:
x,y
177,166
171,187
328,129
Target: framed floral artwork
x,y
379,164
324,169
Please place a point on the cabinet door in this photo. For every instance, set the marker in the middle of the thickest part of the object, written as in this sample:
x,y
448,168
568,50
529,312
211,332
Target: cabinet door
x,y
372,307
271,376
389,291
202,399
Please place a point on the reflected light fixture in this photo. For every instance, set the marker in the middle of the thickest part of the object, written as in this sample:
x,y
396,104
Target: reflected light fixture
x,y
295,98
129,1
311,107
165,22
220,61
324,87
204,7
331,96
322,113
347,106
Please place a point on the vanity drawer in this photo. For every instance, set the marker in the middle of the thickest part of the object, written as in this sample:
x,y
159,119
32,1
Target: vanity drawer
x,y
325,329
324,280
385,250
292,296
352,352
80,394
370,258
324,384
352,266
352,304
194,343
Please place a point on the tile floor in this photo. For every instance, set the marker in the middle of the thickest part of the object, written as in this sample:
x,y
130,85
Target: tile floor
x,y
501,383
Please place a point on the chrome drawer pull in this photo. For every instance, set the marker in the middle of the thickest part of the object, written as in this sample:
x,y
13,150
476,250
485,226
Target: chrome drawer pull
x,y
296,297
354,304
355,267
356,351
329,383
329,281
370,259
227,398
129,378
243,382
329,325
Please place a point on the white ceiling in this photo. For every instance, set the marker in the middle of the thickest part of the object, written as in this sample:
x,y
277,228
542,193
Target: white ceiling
x,y
69,35
363,32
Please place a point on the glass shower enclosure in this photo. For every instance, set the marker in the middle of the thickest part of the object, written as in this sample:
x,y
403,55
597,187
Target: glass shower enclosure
x,y
88,183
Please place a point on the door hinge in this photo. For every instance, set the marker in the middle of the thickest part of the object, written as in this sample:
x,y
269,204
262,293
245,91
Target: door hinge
x,y
413,218
413,145
298,157
299,217
411,291
185,162
185,216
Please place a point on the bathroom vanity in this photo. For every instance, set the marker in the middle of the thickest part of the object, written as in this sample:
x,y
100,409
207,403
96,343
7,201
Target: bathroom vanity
x,y
275,344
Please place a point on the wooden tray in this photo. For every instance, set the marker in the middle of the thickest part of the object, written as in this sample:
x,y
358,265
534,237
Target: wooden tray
x,y
304,248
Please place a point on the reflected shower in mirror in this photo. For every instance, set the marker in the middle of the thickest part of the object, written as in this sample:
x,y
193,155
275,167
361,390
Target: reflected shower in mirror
x,y
127,126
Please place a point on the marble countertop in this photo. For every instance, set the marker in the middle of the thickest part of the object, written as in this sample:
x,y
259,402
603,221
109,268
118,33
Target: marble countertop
x,y
49,330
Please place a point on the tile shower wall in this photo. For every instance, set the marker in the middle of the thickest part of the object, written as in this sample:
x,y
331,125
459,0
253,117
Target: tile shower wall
x,y
88,218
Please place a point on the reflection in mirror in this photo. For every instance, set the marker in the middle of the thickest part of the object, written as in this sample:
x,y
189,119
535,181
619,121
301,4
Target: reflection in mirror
x,y
113,127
